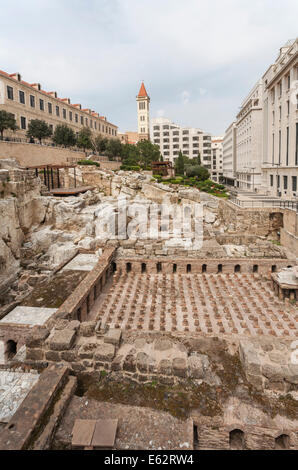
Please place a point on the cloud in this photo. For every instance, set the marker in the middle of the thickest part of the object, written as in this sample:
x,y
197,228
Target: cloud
x,y
98,52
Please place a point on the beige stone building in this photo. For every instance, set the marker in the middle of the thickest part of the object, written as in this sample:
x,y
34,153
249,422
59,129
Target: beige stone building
x,y
217,158
249,133
29,101
280,123
229,155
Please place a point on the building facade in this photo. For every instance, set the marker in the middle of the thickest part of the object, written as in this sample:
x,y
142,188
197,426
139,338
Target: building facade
x,y
280,123
28,101
217,159
143,106
229,155
172,138
249,140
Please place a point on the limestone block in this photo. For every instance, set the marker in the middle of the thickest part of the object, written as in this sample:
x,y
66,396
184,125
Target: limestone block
x,y
142,362
117,363
179,367
87,328
129,363
104,352
34,354
113,336
69,356
60,340
37,337
162,344
198,366
87,243
53,356
165,367
86,351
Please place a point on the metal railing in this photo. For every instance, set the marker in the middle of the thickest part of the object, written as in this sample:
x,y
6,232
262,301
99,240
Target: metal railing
x,y
292,205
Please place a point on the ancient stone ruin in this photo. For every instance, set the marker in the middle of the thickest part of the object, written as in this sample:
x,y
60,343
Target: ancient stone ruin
x,y
177,344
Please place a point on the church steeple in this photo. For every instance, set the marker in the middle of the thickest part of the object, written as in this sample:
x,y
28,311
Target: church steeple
x,y
143,101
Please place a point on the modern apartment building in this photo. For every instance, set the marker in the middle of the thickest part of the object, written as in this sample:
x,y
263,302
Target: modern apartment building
x,y
249,140
280,124
171,138
217,159
29,101
229,155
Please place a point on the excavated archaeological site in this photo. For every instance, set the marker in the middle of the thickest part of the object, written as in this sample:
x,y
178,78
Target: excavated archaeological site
x,y
163,342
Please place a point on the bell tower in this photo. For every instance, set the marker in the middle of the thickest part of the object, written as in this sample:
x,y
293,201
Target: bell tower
x,y
143,101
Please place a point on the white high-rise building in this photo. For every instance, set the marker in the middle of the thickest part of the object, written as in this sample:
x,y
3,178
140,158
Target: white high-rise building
x,y
229,155
143,103
216,158
249,140
280,123
171,138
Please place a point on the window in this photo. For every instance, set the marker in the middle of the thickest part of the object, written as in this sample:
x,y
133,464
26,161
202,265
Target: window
x,y
23,122
32,101
95,126
57,111
9,92
271,180
280,88
294,183
22,97
278,181
64,113
285,178
287,151
82,120
76,118
288,107
142,105
70,115
41,105
289,81
50,108
91,123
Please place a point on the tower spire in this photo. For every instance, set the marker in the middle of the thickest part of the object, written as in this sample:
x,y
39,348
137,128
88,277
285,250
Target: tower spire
x,y
143,101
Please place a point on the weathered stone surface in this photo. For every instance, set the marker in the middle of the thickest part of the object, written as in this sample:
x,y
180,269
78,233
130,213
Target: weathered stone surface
x,y
87,328
142,362
37,337
69,356
198,366
129,363
180,367
61,340
52,356
104,352
113,336
117,363
162,344
34,354
165,367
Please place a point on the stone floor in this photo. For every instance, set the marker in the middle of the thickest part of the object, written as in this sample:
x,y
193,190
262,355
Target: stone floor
x,y
28,315
14,387
82,262
138,428
241,304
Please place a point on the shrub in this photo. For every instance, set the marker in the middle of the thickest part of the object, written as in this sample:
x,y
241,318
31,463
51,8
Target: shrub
x,y
88,162
130,167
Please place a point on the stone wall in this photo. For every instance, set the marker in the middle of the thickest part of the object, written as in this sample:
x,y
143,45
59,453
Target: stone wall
x,y
169,265
289,232
34,154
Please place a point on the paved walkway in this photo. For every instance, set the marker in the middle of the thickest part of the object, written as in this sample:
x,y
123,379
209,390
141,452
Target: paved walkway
x,y
241,304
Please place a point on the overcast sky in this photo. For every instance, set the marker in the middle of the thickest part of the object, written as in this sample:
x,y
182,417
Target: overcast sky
x,y
198,58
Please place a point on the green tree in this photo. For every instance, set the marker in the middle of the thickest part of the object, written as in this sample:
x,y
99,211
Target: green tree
x,y
84,139
130,155
7,121
148,153
199,171
179,164
64,135
113,148
100,143
38,129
